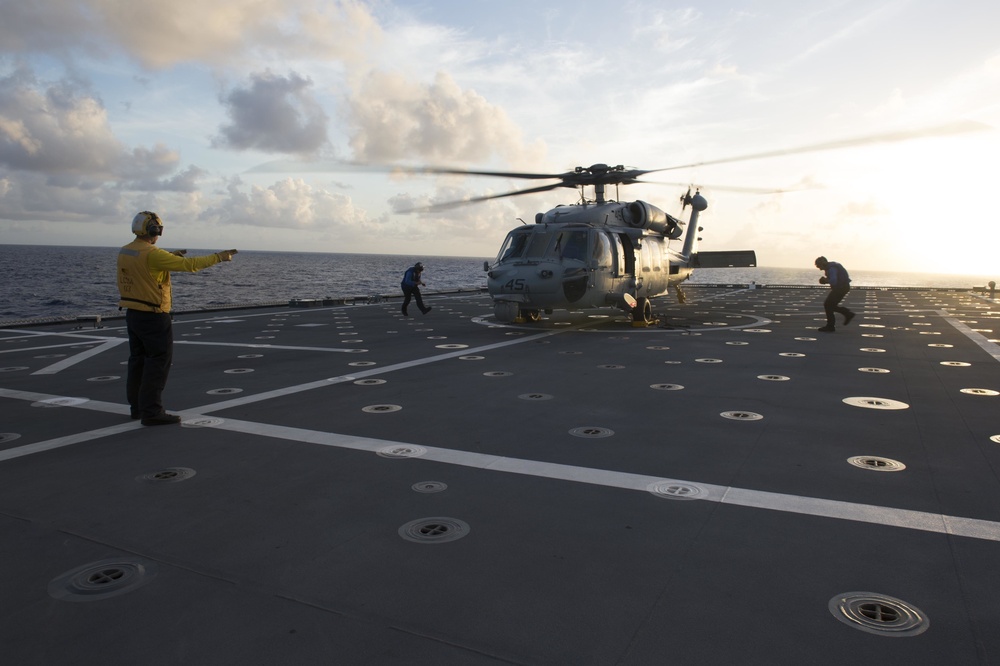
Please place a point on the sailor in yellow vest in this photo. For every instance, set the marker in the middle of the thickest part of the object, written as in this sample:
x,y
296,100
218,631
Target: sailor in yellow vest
x,y
144,285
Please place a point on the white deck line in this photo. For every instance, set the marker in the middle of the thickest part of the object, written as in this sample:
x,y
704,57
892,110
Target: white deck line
x,y
864,513
980,339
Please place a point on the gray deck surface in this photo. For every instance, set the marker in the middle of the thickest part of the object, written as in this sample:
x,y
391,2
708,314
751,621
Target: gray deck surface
x,y
596,506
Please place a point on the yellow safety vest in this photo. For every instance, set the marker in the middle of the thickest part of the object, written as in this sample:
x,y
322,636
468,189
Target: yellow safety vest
x,y
144,275
138,287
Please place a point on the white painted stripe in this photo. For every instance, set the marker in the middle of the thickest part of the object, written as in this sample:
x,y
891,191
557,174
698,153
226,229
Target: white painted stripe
x,y
866,513
990,348
79,358
249,345
289,390
60,442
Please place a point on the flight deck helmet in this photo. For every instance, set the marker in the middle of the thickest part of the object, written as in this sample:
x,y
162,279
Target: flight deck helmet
x,y
147,224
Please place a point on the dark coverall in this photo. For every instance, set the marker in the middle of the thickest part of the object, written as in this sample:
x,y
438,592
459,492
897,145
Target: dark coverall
x,y
840,284
411,289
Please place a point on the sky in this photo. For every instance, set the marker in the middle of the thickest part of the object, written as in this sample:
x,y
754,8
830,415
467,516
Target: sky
x,y
185,107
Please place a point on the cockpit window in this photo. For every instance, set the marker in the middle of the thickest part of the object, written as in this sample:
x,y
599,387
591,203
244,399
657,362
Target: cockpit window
x,y
539,243
570,245
514,246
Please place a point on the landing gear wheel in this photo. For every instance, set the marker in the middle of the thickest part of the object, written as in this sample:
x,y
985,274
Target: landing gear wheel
x,y
643,311
505,311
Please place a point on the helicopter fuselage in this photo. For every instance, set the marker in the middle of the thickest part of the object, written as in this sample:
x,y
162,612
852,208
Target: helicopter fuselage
x,y
585,256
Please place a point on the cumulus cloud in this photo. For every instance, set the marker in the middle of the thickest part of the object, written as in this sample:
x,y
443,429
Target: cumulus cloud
x,y
396,118
274,114
55,129
164,34
290,203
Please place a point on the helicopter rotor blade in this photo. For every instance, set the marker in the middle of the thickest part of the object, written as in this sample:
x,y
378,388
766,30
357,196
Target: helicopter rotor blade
x,y
733,188
461,202
887,137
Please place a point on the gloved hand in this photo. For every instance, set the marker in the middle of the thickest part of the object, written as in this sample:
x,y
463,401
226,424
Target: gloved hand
x,y
226,255
823,280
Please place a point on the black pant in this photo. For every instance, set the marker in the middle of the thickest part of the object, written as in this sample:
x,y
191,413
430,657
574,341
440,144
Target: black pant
x,y
151,351
832,304
415,293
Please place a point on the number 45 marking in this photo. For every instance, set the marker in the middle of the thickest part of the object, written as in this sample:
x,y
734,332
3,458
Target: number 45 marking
x,y
514,285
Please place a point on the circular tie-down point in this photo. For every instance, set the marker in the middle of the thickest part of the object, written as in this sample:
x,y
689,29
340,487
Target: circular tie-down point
x,y
104,378
361,364
980,391
434,530
102,580
381,409
370,382
168,475
451,346
676,490
875,403
708,360
250,356
791,354
238,371
429,487
497,373
995,439
773,378
8,437
401,451
591,432
956,364
224,391
742,416
535,396
806,339
202,422
940,346
877,463
666,387
737,343
13,368
874,371
873,350
879,614
611,366
471,358
656,348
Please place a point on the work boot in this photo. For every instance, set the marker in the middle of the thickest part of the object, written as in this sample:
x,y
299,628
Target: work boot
x,y
827,329
848,317
427,309
161,419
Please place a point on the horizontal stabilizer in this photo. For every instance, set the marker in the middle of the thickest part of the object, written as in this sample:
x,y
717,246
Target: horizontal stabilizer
x,y
725,259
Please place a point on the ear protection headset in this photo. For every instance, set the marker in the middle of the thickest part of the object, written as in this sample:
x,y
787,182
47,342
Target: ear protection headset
x,y
147,224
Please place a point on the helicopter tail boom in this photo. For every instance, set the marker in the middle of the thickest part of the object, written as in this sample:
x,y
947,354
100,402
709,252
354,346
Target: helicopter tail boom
x,y
725,259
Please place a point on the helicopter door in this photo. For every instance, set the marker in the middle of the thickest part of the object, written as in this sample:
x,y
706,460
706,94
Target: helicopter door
x,y
626,256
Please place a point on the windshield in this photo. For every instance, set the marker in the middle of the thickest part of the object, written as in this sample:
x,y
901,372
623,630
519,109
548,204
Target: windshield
x,y
571,245
513,247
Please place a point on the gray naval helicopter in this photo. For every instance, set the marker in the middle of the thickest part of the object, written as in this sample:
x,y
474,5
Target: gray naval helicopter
x,y
596,253
600,253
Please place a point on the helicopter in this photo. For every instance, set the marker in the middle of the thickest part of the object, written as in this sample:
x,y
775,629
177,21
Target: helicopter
x,y
596,253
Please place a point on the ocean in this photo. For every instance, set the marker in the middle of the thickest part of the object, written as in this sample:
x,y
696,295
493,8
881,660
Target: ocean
x,y
43,281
